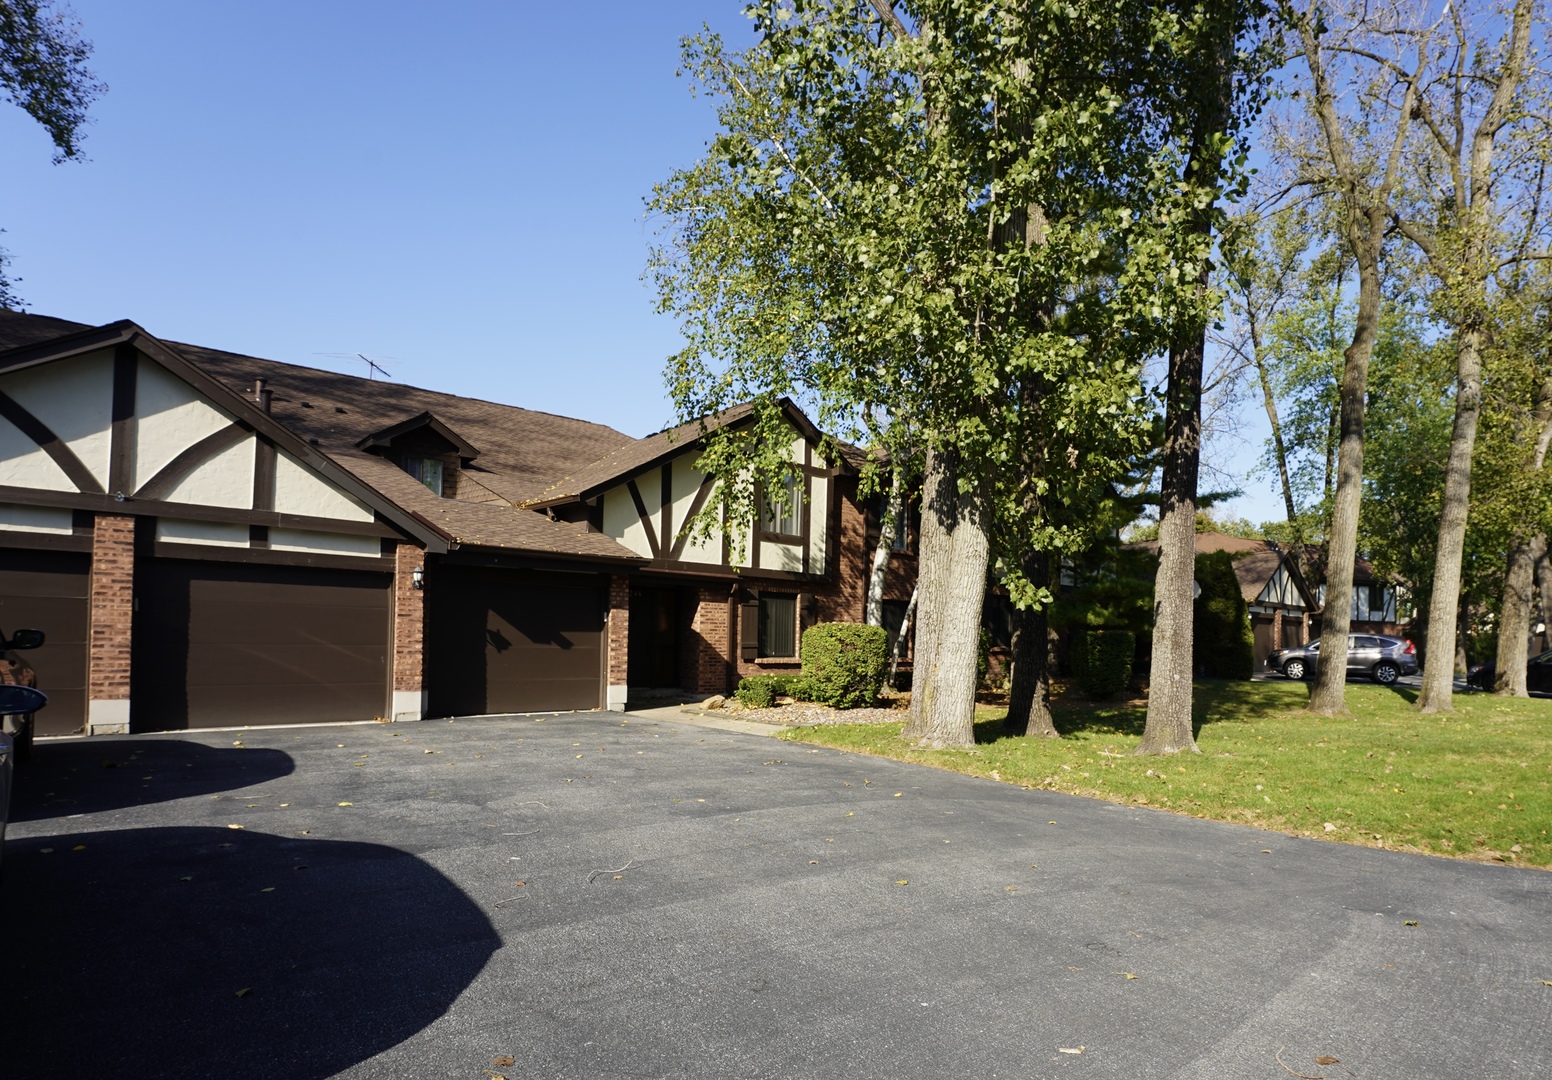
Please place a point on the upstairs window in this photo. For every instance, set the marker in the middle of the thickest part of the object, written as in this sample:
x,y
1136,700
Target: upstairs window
x,y
782,513
427,470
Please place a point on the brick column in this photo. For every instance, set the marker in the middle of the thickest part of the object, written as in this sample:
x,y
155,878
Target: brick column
x,y
409,636
112,607
619,641
710,638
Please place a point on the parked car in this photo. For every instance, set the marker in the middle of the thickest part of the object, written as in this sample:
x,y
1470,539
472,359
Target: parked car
x,y
14,671
1538,674
1383,659
13,700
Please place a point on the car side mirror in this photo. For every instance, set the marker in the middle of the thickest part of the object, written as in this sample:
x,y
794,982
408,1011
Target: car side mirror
x,y
21,699
25,639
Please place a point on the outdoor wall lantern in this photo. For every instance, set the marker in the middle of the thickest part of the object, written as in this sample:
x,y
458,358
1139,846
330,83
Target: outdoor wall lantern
x,y
418,577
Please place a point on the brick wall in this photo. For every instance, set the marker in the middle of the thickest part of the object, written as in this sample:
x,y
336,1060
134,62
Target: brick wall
x,y
409,621
708,641
112,608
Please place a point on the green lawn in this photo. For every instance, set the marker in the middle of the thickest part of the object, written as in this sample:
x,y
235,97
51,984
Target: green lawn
x,y
1473,783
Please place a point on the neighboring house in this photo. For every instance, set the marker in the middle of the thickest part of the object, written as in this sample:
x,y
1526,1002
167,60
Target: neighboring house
x,y
210,539
1281,603
1378,605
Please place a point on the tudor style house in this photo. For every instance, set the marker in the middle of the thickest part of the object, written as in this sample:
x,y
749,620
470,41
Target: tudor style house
x,y
210,539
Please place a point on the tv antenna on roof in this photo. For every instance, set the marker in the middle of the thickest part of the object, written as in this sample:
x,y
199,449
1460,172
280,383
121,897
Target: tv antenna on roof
x,y
373,368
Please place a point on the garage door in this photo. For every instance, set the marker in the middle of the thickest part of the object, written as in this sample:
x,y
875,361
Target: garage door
x,y
219,644
47,590
504,641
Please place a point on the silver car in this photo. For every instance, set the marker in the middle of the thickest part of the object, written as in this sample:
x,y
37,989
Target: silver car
x,y
1383,659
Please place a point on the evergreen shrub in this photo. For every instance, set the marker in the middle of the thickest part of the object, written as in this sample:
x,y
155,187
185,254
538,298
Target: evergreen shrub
x,y
1102,661
844,664
1222,640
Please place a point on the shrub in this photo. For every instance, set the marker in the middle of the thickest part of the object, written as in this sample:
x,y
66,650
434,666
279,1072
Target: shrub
x,y
1222,639
761,691
844,664
1102,661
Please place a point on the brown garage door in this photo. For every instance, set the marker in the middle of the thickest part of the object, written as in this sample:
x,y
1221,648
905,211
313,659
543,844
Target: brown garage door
x,y
502,641
47,590
218,644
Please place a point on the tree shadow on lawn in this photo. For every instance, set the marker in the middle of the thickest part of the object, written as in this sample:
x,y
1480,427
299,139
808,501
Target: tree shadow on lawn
x,y
1213,700
201,952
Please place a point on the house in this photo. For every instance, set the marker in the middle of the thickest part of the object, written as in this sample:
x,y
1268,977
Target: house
x,y
211,539
1379,606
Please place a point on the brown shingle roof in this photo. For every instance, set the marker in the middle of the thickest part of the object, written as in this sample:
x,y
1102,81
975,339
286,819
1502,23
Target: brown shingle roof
x,y
1255,561
18,329
521,451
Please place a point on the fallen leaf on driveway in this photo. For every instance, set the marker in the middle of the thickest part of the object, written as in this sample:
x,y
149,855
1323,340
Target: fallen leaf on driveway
x,y
1327,1059
234,826
79,847
245,991
1544,982
345,804
1410,922
1128,974
902,881
898,794
1071,1049
1050,823
503,1060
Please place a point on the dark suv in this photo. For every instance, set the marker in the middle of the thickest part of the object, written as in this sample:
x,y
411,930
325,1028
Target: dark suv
x,y
1383,659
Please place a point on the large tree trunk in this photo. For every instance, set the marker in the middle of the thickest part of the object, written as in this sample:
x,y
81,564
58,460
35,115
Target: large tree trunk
x,y
1168,729
952,579
1330,691
889,526
1514,622
1543,585
1029,702
1439,678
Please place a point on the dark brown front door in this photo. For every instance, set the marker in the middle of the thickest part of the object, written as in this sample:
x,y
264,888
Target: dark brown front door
x,y
653,656
222,644
510,641
47,590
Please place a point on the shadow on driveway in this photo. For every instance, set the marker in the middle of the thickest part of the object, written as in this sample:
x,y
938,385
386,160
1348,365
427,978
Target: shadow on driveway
x,y
126,958
83,776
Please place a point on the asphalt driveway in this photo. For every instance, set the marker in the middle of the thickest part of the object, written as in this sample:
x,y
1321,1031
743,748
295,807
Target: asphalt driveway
x,y
596,898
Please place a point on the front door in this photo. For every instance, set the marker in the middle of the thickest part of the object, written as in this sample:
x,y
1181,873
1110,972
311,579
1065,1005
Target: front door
x,y
653,659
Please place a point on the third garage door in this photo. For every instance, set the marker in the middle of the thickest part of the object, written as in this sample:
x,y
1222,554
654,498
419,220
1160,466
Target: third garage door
x,y
221,644
501,641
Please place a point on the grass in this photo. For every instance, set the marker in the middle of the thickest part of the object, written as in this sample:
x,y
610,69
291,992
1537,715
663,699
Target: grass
x,y
1473,783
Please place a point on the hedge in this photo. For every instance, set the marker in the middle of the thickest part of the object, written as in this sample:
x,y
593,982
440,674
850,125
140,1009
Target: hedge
x,y
1102,661
761,691
844,663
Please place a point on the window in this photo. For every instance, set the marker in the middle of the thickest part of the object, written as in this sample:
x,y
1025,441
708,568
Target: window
x,y
782,513
778,626
427,470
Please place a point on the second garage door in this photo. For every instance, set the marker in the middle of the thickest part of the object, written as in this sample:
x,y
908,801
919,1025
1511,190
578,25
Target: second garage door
x,y
221,644
501,641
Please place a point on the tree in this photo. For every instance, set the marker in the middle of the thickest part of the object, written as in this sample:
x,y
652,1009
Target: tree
x,y
964,210
1470,106
43,71
1220,88
1358,166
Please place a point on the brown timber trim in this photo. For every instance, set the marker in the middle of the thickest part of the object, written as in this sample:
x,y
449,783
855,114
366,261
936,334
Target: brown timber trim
x,y
666,530
191,458
646,521
164,549
696,506
263,474
50,444
808,501
81,541
126,367
107,504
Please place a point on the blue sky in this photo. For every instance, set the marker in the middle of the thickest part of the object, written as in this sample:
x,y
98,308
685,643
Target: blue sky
x,y
458,187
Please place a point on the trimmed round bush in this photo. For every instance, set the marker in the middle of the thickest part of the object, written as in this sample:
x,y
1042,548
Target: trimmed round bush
x,y
844,664
1102,660
757,691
